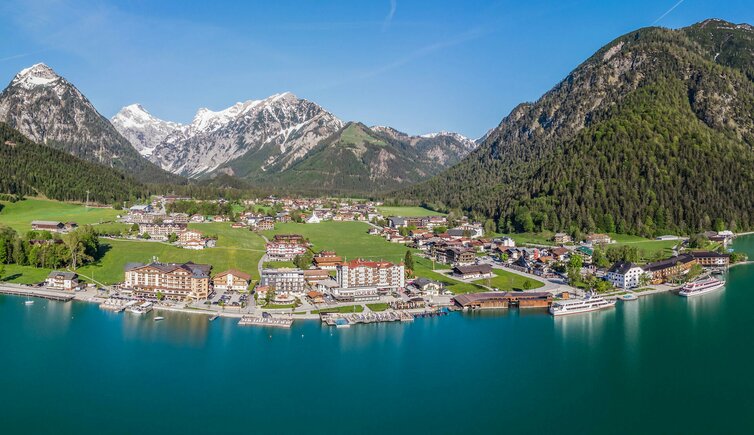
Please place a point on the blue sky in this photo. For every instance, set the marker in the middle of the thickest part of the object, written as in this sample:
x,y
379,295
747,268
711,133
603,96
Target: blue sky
x,y
419,66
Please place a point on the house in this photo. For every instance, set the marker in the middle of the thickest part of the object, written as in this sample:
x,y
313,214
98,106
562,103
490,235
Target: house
x,y
660,271
261,291
316,297
140,209
231,280
284,279
426,286
286,246
560,253
313,276
561,238
711,259
265,224
586,253
455,255
327,260
161,231
625,275
58,280
313,219
175,281
52,226
474,271
506,242
191,239
598,239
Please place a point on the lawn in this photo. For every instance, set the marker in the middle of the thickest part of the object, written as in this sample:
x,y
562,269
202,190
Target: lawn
x,y
543,238
277,264
18,215
377,307
504,280
349,239
649,250
343,310
408,211
22,274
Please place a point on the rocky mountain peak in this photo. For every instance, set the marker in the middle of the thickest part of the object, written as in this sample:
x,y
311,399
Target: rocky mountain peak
x,y
35,75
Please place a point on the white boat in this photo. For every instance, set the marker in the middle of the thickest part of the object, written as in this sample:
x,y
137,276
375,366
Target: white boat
x,y
701,287
29,302
158,318
628,297
591,302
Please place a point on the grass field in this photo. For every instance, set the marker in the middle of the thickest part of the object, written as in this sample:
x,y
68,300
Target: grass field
x,y
649,249
344,310
22,274
377,307
408,211
504,280
18,215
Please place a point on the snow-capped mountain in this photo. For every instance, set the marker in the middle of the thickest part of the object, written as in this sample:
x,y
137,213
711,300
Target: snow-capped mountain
x,y
263,135
144,131
48,109
445,148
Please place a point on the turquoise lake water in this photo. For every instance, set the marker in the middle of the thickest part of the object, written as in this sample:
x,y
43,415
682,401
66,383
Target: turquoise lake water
x,y
663,364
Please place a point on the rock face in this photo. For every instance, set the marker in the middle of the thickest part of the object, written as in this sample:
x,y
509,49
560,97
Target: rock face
x,y
48,109
265,135
628,140
264,140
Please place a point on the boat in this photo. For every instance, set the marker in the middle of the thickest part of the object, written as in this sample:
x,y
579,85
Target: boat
x,y
628,297
591,302
701,287
214,317
29,302
158,318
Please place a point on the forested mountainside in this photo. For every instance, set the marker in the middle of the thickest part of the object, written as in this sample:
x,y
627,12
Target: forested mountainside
x,y
355,160
49,110
30,169
652,134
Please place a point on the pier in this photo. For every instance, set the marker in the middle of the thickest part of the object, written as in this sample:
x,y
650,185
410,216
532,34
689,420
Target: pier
x,y
346,320
37,292
265,321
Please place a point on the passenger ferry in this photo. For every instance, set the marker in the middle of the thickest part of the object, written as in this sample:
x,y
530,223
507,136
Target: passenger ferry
x,y
701,287
591,302
140,309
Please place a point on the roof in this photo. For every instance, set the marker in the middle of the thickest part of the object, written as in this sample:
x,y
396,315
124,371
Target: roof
x,y
621,267
236,273
365,263
669,262
47,223
585,250
62,275
473,268
559,251
708,254
197,270
421,282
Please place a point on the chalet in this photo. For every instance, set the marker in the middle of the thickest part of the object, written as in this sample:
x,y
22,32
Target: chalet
x,y
598,239
327,260
560,253
711,259
316,297
625,275
58,280
474,271
161,231
561,238
261,291
312,276
660,271
265,224
232,279
52,226
455,255
586,253
425,286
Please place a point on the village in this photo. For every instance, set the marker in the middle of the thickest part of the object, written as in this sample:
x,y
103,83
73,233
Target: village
x,y
298,281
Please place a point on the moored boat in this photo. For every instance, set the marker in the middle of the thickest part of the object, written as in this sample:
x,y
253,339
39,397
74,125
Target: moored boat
x,y
158,318
701,287
591,302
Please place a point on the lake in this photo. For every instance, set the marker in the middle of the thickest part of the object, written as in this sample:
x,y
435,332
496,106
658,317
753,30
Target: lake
x,y
663,364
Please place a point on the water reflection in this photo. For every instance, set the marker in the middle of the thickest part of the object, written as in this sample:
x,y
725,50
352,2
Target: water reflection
x,y
178,329
705,304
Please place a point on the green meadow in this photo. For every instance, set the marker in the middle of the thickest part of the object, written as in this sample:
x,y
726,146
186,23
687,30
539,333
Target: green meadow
x,y
18,215
408,211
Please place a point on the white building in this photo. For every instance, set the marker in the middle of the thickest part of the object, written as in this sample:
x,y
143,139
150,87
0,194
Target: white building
x,y
364,280
624,275
313,219
62,280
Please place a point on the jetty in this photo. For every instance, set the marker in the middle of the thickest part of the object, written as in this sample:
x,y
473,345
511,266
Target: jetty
x,y
265,321
37,292
341,320
117,305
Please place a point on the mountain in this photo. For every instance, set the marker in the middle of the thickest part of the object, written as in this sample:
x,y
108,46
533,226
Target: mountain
x,y
48,109
652,134
255,136
355,160
444,148
34,169
267,141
